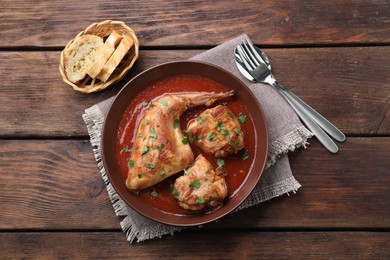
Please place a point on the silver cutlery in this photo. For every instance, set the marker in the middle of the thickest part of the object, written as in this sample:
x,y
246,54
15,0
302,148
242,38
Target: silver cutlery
x,y
254,64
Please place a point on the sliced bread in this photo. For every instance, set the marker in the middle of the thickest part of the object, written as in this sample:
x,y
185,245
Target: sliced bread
x,y
80,56
120,52
102,57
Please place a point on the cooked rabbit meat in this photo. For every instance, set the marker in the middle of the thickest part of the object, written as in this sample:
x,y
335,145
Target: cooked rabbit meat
x,y
201,187
159,151
218,130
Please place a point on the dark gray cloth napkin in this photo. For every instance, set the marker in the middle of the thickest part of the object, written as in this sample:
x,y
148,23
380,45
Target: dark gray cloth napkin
x,y
286,133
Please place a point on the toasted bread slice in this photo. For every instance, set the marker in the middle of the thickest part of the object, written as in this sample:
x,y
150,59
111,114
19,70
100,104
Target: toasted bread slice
x,y
120,52
104,54
80,56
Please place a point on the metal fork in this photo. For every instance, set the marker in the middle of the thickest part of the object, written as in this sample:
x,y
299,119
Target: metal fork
x,y
257,64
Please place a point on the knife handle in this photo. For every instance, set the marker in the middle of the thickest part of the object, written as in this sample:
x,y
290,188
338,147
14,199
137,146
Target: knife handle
x,y
324,139
327,126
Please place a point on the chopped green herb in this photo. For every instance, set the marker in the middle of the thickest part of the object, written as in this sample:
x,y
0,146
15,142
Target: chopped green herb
x,y
195,184
230,114
186,172
220,162
236,144
242,118
154,194
145,150
163,173
173,191
149,165
176,124
228,137
153,134
238,132
160,147
125,149
146,122
139,176
200,200
201,120
185,140
151,105
139,135
219,125
164,102
245,155
198,137
210,136
131,163
188,105
224,131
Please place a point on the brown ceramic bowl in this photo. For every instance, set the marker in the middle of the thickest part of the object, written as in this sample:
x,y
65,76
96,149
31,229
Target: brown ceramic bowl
x,y
144,79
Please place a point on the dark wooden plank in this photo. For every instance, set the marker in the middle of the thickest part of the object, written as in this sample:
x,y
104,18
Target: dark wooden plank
x,y
191,245
55,184
349,86
171,23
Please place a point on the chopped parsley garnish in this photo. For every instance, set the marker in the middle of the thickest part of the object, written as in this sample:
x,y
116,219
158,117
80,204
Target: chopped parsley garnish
x,y
149,165
139,176
236,144
242,118
185,140
230,114
220,162
219,125
176,124
164,102
145,150
245,155
163,173
160,147
210,136
228,137
140,135
173,191
154,194
200,200
201,120
153,134
195,184
150,105
185,172
224,131
146,122
125,149
238,132
131,163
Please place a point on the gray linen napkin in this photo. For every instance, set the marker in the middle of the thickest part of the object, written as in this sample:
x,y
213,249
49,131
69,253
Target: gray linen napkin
x,y
286,133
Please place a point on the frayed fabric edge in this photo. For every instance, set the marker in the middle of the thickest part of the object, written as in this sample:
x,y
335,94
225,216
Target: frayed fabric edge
x,y
287,143
266,193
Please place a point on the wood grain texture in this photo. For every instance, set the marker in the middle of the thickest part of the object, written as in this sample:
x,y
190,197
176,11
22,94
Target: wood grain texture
x,y
199,245
349,86
55,184
200,23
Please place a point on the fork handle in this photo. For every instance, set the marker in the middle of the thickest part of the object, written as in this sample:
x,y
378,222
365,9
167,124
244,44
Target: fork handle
x,y
324,139
327,126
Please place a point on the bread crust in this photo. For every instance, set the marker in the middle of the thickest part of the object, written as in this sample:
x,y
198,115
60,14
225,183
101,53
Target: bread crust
x,y
111,33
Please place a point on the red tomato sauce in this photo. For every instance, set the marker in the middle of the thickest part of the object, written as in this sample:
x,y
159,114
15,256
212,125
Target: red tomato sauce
x,y
236,168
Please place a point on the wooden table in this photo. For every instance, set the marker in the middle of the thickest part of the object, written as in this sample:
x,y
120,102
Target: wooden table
x,y
334,54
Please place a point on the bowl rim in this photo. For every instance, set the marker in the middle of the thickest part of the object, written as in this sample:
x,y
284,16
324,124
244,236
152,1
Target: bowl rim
x,y
130,199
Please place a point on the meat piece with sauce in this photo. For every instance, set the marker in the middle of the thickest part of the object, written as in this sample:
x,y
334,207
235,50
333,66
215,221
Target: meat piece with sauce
x,y
201,187
159,151
217,131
